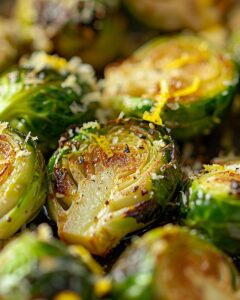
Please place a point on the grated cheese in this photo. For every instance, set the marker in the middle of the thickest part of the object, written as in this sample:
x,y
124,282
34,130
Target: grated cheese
x,y
94,124
39,61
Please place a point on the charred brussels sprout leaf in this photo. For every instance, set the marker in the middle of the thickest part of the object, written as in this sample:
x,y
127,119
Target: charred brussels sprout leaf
x,y
183,81
108,181
173,263
22,180
40,267
77,27
211,204
46,94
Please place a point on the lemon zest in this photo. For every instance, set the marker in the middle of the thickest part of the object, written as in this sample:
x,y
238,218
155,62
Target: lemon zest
x,y
86,258
189,89
154,115
104,144
185,60
67,295
102,287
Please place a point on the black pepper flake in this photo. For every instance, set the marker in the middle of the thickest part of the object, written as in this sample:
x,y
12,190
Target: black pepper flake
x,y
126,150
107,202
9,219
144,192
141,147
135,188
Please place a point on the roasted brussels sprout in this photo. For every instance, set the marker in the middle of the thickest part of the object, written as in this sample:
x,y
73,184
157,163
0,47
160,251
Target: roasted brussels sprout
x,y
40,267
175,15
211,204
183,79
171,263
107,181
77,27
22,180
46,94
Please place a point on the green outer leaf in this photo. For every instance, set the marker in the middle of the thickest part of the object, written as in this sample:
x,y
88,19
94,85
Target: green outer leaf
x,y
32,187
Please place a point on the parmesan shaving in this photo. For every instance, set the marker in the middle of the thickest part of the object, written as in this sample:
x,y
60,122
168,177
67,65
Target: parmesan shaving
x,y
71,82
94,124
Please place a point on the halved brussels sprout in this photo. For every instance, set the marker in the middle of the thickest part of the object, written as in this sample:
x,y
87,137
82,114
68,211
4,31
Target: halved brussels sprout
x,y
172,263
211,204
175,15
22,180
77,27
183,79
46,94
106,181
39,267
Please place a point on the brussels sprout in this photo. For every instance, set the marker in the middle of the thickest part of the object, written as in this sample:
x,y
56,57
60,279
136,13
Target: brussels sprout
x,y
39,267
46,94
77,27
172,263
183,79
107,181
211,204
175,15
22,180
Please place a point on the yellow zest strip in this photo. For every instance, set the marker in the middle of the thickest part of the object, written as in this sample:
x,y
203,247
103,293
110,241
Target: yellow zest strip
x,y
188,90
154,115
185,60
86,258
67,295
56,62
102,287
104,144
